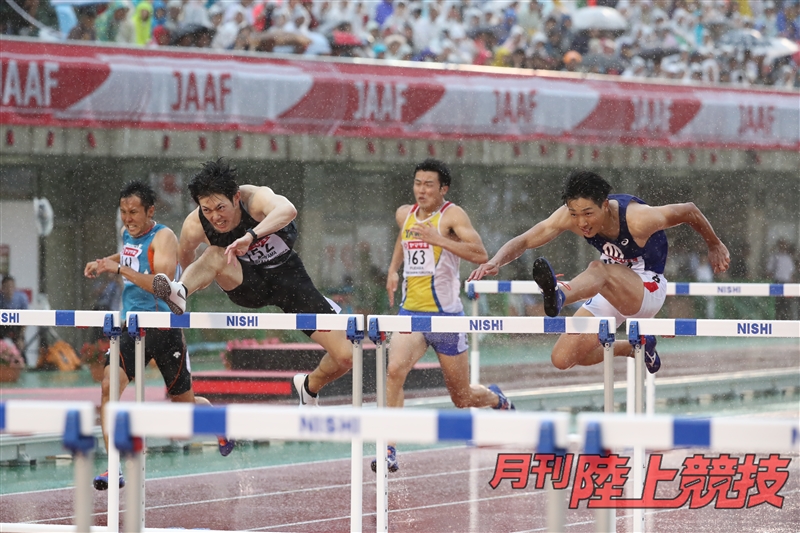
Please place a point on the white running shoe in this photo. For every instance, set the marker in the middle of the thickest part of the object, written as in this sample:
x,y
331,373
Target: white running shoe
x,y
172,292
306,400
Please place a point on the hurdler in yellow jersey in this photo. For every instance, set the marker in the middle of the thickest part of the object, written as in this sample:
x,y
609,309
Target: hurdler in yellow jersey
x,y
430,273
434,236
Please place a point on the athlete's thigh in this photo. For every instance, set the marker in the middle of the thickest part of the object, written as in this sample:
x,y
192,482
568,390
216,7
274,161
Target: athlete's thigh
x,y
405,349
570,349
168,348
230,276
334,342
624,289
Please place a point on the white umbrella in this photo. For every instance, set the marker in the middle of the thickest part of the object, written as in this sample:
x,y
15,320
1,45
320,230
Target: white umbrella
x,y
598,18
778,47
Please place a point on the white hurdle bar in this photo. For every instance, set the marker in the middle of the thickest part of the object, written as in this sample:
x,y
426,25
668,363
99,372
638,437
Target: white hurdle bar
x,y
110,322
599,433
548,433
680,327
352,325
75,421
475,288
379,325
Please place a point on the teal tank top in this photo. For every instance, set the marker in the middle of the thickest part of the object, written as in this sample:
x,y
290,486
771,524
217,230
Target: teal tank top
x,y
137,254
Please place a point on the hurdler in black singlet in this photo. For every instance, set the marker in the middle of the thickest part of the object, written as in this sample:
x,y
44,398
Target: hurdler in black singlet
x,y
268,251
272,272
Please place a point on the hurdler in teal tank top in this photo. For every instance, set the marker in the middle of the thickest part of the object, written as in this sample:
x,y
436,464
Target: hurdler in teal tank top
x,y
137,254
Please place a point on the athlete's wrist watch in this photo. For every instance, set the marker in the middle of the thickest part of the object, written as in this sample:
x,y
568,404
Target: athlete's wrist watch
x,y
252,234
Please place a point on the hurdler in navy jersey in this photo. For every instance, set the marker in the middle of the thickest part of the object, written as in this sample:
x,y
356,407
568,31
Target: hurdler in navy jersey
x,y
148,249
628,280
251,232
623,249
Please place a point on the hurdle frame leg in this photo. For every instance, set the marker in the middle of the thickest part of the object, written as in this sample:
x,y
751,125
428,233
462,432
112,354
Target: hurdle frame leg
x,y
113,453
357,445
638,451
382,472
134,512
83,465
138,484
474,353
607,338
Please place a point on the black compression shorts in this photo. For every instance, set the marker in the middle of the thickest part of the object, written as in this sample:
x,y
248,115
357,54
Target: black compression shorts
x,y
286,286
168,348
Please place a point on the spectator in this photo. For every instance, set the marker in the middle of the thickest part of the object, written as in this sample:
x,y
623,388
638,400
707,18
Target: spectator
x,y
781,268
84,31
530,17
383,11
38,14
161,37
394,46
114,24
228,32
159,15
426,28
194,12
395,22
11,298
572,61
143,22
173,19
767,22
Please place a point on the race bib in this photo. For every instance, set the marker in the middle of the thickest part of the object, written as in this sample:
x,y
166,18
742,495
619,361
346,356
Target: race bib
x,y
418,259
635,264
265,250
130,257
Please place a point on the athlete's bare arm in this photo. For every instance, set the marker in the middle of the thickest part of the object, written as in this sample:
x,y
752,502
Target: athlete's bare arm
x,y
192,236
539,235
272,211
457,235
644,220
90,270
165,261
393,278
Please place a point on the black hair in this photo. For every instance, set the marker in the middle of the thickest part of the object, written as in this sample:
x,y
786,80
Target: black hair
x,y
216,177
434,165
7,278
585,184
144,191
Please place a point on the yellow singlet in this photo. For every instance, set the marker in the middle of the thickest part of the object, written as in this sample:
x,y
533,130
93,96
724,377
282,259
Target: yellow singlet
x,y
430,273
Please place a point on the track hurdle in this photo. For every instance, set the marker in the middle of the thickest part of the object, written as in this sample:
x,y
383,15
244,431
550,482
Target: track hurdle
x,y
475,288
352,325
601,433
110,322
637,329
379,325
133,422
75,421
690,327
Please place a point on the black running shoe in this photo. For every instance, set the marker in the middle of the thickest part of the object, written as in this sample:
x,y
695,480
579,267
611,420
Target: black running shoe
x,y
545,277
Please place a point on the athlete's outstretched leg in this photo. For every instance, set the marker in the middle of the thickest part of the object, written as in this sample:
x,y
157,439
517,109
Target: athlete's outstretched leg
x,y
622,287
212,266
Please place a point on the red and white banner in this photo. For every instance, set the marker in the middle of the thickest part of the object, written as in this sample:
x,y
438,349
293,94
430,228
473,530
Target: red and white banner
x,y
70,85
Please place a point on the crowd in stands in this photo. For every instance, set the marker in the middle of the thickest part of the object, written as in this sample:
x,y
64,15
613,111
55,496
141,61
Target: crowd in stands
x,y
712,41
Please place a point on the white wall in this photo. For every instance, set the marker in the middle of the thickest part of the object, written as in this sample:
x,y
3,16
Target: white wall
x,y
18,232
